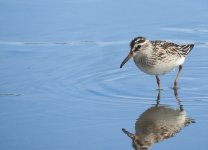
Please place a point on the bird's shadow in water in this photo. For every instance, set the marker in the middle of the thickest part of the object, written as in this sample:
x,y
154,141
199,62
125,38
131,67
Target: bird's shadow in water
x,y
157,123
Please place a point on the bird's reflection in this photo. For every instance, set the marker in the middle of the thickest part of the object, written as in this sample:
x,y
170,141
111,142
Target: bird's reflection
x,y
158,123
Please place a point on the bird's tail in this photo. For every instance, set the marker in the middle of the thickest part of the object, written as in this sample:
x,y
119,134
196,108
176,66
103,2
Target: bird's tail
x,y
186,48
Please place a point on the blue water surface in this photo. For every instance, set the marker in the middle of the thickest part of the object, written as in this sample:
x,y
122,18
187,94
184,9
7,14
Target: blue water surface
x,y
61,86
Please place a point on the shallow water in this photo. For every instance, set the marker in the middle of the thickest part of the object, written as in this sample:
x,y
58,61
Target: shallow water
x,y
61,86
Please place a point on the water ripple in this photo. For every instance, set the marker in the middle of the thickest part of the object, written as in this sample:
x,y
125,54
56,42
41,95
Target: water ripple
x,y
70,43
186,30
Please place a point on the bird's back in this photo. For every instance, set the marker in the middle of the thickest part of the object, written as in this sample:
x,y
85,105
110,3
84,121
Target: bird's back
x,y
163,48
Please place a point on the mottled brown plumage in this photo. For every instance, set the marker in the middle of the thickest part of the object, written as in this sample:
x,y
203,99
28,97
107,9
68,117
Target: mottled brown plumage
x,y
157,57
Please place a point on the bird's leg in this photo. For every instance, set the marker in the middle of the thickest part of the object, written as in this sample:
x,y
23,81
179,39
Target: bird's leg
x,y
176,80
158,82
178,100
158,98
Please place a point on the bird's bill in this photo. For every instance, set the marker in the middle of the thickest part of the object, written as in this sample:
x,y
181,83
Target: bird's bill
x,y
131,135
126,59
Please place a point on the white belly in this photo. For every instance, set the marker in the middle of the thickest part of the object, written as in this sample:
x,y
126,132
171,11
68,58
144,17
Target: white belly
x,y
159,68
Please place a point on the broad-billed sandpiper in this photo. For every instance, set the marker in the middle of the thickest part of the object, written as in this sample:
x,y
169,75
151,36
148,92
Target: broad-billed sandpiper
x,y
158,57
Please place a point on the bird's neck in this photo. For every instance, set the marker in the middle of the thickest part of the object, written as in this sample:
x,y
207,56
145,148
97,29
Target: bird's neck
x,y
146,49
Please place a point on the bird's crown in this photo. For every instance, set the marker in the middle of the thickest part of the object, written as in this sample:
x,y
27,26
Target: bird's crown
x,y
137,40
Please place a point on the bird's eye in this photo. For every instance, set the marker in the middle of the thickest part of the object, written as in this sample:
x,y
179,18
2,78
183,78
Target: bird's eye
x,y
139,143
137,48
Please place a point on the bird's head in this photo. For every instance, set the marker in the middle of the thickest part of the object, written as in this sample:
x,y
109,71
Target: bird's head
x,y
136,143
136,45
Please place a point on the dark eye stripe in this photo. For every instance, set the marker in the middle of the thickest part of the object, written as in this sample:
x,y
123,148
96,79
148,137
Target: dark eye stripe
x,y
137,48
